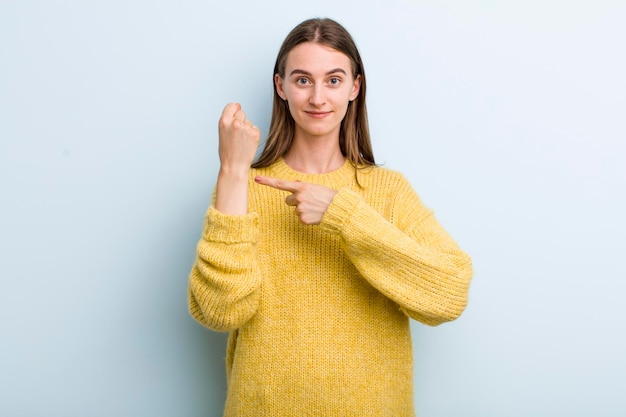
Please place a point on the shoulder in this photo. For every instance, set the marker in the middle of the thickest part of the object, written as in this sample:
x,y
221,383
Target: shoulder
x,y
379,176
391,194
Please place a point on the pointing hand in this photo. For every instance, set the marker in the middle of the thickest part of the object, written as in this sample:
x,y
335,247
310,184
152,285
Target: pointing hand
x,y
310,200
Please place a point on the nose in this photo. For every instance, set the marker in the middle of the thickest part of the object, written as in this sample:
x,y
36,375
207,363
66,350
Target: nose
x,y
317,95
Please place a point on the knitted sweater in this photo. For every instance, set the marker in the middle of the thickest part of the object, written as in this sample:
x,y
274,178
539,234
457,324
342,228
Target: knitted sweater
x,y
318,315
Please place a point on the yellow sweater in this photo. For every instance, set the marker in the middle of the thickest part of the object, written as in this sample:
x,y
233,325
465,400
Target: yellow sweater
x,y
318,315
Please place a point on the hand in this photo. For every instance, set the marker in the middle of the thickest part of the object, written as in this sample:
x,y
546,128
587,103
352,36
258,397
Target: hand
x,y
238,139
310,200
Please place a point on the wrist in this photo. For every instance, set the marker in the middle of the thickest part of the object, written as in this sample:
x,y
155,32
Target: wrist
x,y
232,192
233,173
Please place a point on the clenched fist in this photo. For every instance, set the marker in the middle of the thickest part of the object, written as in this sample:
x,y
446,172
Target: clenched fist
x,y
238,139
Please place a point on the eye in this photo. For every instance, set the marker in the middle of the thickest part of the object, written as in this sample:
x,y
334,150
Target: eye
x,y
302,81
334,81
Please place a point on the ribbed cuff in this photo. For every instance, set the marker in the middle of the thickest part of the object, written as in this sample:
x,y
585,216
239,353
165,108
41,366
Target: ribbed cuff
x,y
228,228
343,206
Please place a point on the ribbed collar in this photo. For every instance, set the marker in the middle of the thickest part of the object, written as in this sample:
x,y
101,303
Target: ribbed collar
x,y
340,177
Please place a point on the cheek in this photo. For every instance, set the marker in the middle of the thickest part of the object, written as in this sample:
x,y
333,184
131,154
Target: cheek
x,y
294,104
342,100
296,95
292,111
296,101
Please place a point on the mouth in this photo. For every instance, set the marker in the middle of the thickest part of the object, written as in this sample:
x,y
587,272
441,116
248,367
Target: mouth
x,y
318,114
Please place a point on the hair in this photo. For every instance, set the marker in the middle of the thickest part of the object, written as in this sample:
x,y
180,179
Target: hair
x,y
354,136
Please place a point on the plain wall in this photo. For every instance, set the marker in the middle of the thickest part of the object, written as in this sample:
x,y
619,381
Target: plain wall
x,y
507,117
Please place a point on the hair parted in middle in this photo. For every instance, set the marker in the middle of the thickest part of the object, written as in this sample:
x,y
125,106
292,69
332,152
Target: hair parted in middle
x,y
354,136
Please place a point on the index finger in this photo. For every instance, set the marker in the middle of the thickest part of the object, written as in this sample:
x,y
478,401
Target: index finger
x,y
278,183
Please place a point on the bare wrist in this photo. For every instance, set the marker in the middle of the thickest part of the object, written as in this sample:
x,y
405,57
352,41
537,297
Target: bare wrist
x,y
232,192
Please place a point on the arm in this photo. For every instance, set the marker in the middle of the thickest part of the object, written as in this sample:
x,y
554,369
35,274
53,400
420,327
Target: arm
x,y
238,142
412,261
225,279
410,258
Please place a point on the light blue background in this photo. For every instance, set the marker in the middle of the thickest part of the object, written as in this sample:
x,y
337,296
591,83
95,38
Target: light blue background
x,y
507,117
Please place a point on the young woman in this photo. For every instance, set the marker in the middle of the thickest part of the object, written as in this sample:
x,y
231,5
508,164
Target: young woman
x,y
313,257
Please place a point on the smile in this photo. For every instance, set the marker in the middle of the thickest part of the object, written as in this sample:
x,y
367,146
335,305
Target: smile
x,y
317,115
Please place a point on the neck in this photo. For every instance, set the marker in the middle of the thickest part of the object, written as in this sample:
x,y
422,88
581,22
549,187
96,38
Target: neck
x,y
314,157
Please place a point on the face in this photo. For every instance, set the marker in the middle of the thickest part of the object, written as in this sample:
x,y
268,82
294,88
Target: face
x,y
318,86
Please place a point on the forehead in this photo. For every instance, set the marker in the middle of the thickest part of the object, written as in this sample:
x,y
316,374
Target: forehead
x,y
316,58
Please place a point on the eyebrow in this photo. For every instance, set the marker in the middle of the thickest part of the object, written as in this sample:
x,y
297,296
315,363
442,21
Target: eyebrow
x,y
303,72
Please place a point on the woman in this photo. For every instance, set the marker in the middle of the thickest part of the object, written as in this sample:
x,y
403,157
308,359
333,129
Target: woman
x,y
313,257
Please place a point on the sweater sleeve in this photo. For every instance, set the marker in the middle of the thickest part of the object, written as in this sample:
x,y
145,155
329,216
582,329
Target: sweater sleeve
x,y
225,278
409,258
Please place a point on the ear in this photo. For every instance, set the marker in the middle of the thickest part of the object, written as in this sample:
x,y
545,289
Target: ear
x,y
278,82
356,88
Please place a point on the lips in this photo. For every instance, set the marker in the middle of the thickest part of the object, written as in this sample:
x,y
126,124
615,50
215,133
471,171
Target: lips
x,y
318,114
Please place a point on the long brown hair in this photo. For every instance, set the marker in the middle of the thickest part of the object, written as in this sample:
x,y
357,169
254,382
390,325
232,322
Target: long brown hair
x,y
354,136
